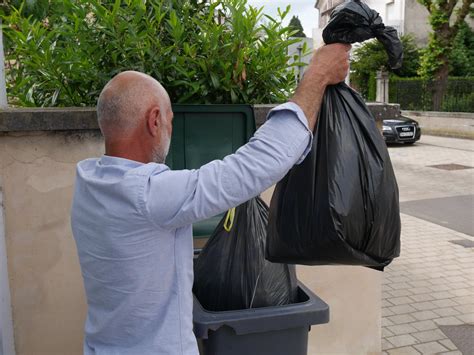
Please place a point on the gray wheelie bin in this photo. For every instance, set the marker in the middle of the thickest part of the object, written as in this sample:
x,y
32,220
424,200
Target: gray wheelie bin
x,y
202,133
280,330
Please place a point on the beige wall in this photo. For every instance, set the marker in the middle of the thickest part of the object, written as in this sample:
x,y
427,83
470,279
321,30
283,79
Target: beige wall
x,y
37,174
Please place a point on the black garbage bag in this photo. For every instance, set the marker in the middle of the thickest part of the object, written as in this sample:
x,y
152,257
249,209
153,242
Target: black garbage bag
x,y
340,205
354,21
231,271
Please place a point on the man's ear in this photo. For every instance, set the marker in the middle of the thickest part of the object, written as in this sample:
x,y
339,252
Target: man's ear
x,y
153,121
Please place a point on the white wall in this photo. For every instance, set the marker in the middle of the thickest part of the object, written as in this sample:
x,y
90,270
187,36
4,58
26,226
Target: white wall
x,y
293,50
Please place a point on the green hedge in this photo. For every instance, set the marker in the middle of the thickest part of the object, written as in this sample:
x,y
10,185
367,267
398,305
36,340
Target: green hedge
x,y
224,51
416,94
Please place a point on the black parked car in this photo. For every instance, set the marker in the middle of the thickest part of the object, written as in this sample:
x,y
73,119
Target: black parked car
x,y
401,130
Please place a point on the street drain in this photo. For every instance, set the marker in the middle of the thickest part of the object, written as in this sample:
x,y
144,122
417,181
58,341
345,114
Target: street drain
x,y
466,243
450,166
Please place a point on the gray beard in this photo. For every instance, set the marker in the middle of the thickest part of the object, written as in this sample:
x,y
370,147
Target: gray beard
x,y
161,152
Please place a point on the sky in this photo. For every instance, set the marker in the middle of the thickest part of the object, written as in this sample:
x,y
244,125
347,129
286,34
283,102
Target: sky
x,y
304,9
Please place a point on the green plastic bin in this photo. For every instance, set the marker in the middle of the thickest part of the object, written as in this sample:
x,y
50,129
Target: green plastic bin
x,y
203,133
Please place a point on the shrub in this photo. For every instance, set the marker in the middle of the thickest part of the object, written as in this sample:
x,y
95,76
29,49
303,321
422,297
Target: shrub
x,y
370,56
202,53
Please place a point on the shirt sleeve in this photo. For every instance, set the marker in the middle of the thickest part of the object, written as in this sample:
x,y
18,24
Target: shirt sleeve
x,y
173,199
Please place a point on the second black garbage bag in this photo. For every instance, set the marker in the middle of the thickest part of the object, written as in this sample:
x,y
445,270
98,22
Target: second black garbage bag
x,y
340,205
231,271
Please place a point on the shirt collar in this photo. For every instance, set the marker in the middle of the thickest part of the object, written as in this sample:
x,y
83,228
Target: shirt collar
x,y
110,160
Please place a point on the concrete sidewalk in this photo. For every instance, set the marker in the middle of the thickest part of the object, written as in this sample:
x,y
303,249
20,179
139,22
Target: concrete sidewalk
x,y
428,292
429,285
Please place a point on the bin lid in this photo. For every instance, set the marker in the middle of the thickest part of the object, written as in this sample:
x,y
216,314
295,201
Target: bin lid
x,y
203,133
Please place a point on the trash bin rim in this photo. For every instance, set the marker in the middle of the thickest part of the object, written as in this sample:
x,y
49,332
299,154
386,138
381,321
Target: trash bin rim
x,y
257,320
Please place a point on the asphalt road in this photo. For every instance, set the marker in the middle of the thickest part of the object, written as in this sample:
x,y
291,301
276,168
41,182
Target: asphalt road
x,y
436,181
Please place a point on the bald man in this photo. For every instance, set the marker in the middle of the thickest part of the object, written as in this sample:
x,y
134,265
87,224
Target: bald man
x,y
132,216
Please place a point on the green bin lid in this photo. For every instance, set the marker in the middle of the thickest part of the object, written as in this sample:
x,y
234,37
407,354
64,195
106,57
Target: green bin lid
x,y
203,133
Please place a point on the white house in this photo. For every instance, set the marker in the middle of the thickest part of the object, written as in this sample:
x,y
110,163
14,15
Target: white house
x,y
407,16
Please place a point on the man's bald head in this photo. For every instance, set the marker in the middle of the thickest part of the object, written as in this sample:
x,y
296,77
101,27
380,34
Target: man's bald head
x,y
125,100
134,113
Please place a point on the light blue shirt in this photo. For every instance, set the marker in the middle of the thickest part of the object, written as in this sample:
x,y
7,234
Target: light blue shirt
x,y
132,223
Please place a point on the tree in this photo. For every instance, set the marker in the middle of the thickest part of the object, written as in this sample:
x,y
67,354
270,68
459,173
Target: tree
x,y
370,56
295,25
462,55
446,18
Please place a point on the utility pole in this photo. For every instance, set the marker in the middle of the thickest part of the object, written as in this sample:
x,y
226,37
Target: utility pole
x,y
300,68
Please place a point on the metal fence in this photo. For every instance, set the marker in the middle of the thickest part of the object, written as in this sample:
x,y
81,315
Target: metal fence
x,y
417,94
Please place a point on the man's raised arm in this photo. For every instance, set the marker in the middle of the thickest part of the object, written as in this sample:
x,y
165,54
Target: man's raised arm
x,y
177,198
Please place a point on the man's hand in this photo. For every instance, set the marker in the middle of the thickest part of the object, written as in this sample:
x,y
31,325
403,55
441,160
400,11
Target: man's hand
x,y
328,66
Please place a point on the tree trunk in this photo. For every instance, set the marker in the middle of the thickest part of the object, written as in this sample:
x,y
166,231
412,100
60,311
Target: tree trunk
x,y
444,36
440,85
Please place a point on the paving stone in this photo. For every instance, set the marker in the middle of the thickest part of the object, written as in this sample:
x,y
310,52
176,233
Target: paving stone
x,y
451,273
430,348
422,297
424,325
466,318
405,292
452,267
437,288
424,315
402,300
401,285
463,292
424,306
457,279
402,340
429,335
421,290
463,300
402,309
386,322
419,284
386,333
465,309
401,319
448,344
455,352
444,303
438,281
406,350
386,344
442,295
458,285
399,279
446,312
401,329
448,321
386,312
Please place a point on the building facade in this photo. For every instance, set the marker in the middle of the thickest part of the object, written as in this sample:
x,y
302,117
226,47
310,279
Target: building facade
x,y
407,16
